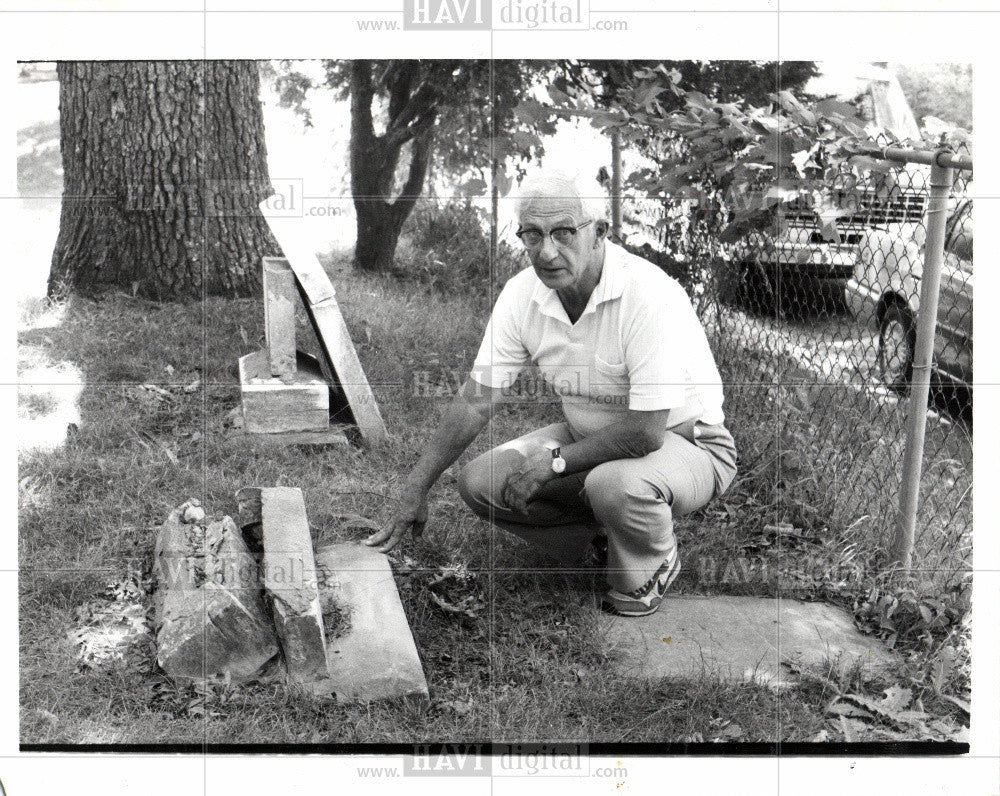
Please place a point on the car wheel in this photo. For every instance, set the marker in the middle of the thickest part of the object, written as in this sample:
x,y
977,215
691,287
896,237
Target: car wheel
x,y
756,288
896,342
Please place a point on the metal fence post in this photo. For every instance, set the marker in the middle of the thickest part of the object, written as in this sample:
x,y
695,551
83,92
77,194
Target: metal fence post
x,y
616,185
901,550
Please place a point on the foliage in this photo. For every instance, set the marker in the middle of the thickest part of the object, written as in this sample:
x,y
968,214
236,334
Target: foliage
x,y
940,90
609,83
733,162
399,109
446,247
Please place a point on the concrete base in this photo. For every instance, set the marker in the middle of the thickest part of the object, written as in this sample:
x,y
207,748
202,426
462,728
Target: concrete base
x,y
741,638
271,405
375,657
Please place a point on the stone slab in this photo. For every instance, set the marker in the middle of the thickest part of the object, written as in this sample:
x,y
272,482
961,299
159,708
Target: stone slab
x,y
308,269
210,619
741,638
289,579
335,340
280,296
375,657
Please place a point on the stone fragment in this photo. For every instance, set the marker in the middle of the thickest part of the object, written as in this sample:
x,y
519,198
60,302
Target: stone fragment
x,y
740,638
290,582
373,656
194,513
209,615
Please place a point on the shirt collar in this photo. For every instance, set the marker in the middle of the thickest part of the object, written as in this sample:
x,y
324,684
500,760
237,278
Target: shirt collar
x,y
610,286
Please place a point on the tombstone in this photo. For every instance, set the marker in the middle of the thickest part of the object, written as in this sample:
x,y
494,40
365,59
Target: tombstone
x,y
755,639
280,401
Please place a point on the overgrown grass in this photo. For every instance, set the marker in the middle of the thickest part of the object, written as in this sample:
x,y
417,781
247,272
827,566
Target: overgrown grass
x,y
160,381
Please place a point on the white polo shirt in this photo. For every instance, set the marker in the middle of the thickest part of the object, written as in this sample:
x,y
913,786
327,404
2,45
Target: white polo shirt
x,y
638,345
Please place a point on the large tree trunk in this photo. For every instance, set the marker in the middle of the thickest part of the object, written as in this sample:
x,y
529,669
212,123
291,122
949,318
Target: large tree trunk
x,y
164,164
373,167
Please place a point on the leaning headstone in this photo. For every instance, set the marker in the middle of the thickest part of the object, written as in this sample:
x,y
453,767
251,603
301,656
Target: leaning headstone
x,y
370,647
289,577
324,313
209,615
740,638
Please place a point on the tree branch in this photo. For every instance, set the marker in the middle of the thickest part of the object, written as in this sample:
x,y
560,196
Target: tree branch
x,y
415,179
413,119
362,128
399,84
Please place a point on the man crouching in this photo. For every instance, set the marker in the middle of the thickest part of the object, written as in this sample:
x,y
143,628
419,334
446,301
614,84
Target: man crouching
x,y
643,439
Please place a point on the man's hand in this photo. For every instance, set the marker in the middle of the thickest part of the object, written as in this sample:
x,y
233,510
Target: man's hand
x,y
411,512
525,480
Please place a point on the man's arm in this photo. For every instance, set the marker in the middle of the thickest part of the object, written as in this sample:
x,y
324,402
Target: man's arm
x,y
467,415
635,435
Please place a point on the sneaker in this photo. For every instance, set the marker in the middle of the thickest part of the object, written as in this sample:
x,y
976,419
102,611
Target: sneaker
x,y
647,598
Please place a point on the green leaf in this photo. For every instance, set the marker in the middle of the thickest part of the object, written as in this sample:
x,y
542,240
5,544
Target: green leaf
x,y
504,183
558,96
832,108
531,111
524,140
473,187
645,96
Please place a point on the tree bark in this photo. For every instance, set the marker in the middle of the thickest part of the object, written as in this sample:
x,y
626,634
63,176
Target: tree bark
x,y
374,158
164,165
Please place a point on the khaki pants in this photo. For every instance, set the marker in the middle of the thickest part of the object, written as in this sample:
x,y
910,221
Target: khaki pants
x,y
633,501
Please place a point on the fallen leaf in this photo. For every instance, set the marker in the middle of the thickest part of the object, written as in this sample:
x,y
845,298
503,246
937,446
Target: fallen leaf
x,y
467,607
355,522
733,731
959,703
460,707
839,708
896,698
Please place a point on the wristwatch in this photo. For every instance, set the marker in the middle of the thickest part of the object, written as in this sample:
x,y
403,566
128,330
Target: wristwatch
x,y
558,462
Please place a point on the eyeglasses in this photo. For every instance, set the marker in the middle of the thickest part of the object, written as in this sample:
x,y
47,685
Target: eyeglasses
x,y
561,236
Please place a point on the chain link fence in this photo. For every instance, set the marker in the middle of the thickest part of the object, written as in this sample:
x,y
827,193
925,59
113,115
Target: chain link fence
x,y
814,331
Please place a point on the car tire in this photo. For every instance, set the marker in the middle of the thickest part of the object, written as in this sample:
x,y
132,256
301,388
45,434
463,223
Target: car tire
x,y
756,289
897,339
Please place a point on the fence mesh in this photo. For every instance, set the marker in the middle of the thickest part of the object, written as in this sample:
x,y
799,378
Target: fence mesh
x,y
814,334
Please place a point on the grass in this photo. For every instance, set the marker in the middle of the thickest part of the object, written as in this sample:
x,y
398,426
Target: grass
x,y
527,665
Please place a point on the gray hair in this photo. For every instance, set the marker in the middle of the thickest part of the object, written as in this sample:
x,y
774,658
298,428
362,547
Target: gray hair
x,y
552,183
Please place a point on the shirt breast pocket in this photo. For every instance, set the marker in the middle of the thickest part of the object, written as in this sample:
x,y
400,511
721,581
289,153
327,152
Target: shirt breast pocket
x,y
616,370
609,383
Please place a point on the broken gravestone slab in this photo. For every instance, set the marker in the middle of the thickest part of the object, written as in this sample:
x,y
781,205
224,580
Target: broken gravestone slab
x,y
741,638
289,577
370,648
210,618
